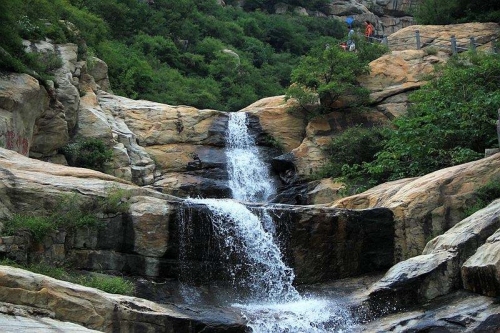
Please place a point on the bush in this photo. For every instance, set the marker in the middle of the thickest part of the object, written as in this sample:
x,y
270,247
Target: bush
x,y
38,226
457,11
330,73
109,284
70,213
356,145
116,201
89,153
451,121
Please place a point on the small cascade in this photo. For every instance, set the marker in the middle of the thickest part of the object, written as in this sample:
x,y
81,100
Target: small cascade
x,y
260,280
249,178
261,271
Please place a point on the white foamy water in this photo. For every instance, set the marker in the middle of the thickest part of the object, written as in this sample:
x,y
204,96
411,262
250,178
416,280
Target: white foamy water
x,y
270,303
249,178
301,316
262,269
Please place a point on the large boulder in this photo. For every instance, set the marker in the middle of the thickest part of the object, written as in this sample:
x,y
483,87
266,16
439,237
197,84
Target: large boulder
x,y
437,271
458,312
481,272
276,117
130,161
179,139
105,312
427,206
394,75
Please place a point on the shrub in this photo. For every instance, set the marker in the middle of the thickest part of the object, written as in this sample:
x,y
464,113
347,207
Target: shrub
x,y
116,201
109,284
38,226
70,213
330,73
356,145
457,11
106,283
89,153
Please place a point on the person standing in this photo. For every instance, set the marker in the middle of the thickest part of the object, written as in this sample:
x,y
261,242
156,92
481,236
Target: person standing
x,y
350,40
369,30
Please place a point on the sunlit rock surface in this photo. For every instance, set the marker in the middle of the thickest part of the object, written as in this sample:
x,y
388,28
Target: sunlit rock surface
x,y
105,312
427,206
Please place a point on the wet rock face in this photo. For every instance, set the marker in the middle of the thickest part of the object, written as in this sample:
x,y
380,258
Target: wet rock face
x,y
325,244
458,312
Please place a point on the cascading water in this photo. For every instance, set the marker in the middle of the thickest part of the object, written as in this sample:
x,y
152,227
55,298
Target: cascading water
x,y
270,302
249,178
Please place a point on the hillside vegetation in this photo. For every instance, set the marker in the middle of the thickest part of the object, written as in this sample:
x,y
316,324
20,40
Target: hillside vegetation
x,y
176,52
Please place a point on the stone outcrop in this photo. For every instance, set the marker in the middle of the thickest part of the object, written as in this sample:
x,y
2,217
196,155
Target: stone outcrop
x,y
394,75
427,206
186,144
286,128
63,301
444,261
480,273
22,102
458,312
17,318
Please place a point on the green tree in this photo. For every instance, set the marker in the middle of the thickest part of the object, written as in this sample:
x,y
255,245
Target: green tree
x,y
328,72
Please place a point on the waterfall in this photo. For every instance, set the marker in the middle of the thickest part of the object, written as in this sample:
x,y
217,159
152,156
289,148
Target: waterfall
x,y
271,304
249,178
261,270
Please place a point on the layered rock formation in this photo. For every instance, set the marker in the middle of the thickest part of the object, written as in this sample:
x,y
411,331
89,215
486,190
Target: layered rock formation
x,y
52,302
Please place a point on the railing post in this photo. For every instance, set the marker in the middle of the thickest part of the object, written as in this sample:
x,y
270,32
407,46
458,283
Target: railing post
x,y
385,41
472,44
453,45
417,37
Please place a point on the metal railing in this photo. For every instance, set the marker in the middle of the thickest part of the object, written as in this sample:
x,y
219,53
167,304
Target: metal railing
x,y
432,41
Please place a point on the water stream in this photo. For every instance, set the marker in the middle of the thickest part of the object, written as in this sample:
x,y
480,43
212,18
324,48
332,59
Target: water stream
x,y
263,283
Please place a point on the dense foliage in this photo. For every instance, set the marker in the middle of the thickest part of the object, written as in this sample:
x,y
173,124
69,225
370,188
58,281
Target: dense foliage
x,y
192,52
354,146
90,154
452,120
457,11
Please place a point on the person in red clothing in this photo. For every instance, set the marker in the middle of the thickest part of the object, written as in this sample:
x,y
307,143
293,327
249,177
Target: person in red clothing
x,y
369,30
